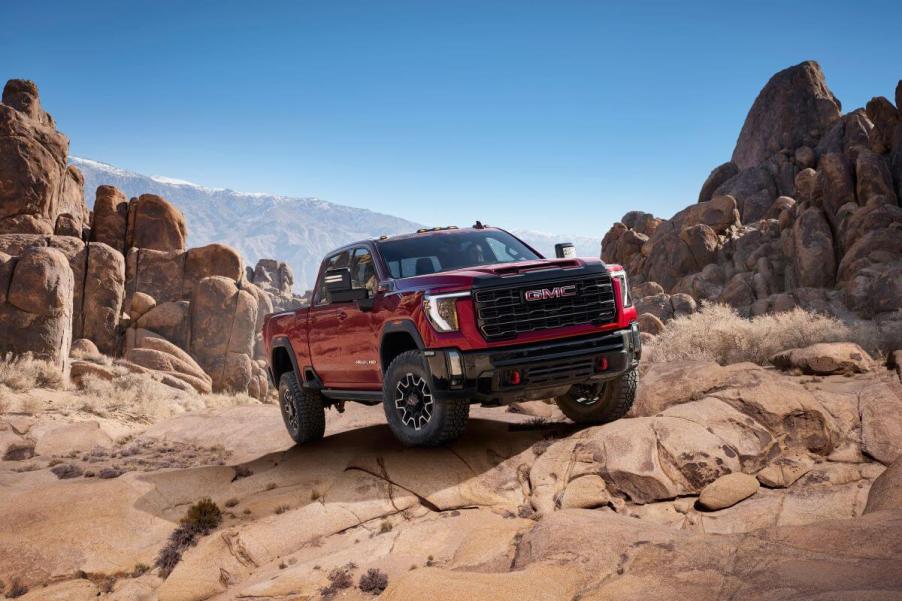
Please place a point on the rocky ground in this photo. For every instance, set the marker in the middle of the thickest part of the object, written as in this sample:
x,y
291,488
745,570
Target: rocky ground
x,y
736,482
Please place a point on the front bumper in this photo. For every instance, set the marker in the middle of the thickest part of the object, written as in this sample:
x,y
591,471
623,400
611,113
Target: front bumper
x,y
544,368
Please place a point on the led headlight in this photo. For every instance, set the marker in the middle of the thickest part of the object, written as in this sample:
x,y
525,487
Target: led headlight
x,y
441,309
625,298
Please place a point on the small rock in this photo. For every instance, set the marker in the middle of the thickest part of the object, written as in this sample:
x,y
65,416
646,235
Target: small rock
x,y
650,324
785,470
728,490
83,347
19,451
110,472
65,471
586,492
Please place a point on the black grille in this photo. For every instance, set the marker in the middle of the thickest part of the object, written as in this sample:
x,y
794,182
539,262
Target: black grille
x,y
504,312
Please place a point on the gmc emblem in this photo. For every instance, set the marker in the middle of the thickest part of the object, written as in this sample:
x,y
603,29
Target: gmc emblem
x,y
548,293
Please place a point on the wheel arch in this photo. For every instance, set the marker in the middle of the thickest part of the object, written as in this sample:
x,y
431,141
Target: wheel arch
x,y
398,337
282,360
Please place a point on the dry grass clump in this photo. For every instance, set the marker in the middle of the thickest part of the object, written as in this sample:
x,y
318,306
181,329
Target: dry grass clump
x,y
25,372
718,333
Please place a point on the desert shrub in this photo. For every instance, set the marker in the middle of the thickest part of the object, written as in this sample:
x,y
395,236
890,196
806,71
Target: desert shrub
x,y
203,517
200,519
718,333
374,581
339,579
24,372
282,509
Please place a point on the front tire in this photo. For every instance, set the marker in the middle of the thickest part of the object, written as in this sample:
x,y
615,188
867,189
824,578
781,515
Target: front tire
x,y
600,403
302,410
415,417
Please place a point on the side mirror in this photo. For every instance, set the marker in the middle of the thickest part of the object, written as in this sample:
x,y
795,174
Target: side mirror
x,y
565,250
339,287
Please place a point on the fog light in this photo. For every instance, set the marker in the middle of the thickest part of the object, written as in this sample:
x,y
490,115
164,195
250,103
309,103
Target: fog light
x,y
514,377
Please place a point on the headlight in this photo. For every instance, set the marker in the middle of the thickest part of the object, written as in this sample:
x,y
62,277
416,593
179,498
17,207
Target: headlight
x,y
441,309
620,276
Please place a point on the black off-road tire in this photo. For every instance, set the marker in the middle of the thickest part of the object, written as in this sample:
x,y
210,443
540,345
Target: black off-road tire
x,y
613,402
302,410
408,375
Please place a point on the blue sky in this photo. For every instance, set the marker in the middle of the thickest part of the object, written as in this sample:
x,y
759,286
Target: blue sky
x,y
552,116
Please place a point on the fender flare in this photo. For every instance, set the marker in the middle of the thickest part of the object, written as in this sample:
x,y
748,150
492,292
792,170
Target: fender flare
x,y
402,326
283,342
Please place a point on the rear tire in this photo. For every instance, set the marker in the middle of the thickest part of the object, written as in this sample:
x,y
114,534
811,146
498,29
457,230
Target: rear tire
x,y
302,410
601,403
414,416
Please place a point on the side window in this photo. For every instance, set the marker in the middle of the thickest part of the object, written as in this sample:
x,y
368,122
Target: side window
x,y
336,261
363,270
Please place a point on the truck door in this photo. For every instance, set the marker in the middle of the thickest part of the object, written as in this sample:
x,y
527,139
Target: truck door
x,y
325,317
358,329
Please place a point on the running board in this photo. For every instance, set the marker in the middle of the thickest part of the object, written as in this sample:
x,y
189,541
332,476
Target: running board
x,y
367,397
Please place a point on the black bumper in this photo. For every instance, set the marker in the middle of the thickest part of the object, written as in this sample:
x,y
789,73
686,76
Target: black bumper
x,y
485,376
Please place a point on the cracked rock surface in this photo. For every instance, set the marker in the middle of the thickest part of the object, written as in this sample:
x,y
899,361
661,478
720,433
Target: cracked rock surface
x,y
516,509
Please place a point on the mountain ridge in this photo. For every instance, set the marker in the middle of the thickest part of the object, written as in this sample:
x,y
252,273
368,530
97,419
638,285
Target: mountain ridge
x,y
297,230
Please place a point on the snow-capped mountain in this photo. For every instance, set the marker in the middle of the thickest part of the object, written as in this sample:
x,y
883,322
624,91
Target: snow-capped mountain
x,y
298,231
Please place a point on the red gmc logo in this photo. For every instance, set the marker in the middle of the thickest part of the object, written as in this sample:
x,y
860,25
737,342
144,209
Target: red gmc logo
x,y
548,293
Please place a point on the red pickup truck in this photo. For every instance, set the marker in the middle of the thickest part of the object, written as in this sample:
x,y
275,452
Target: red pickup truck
x,y
428,323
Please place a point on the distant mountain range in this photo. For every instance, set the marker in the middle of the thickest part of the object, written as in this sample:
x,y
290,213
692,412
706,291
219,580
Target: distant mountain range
x,y
298,231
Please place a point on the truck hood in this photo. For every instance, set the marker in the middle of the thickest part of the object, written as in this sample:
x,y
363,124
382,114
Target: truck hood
x,y
468,277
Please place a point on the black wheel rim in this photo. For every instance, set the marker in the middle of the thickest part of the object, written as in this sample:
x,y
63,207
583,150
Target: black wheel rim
x,y
289,410
413,401
587,394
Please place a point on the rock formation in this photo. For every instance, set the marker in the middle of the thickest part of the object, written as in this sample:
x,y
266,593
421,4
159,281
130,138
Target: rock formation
x,y
805,214
276,279
122,278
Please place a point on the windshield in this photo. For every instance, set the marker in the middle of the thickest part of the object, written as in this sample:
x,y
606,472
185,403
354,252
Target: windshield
x,y
421,255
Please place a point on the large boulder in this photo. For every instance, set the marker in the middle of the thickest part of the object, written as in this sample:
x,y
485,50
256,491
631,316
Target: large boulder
x,y
813,257
718,175
825,358
754,190
103,290
155,224
36,185
886,491
110,218
223,321
36,316
793,109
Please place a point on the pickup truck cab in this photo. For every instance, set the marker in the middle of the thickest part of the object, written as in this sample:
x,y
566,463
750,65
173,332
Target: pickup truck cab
x,y
430,322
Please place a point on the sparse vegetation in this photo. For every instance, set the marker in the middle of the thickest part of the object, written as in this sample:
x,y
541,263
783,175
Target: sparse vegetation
x,y
25,372
128,396
339,579
385,526
718,333
282,509
200,519
374,581
16,589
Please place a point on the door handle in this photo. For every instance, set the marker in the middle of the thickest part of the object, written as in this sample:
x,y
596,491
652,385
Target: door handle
x,y
342,315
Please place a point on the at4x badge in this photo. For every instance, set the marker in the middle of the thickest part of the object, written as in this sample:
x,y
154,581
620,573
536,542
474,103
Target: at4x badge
x,y
549,293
